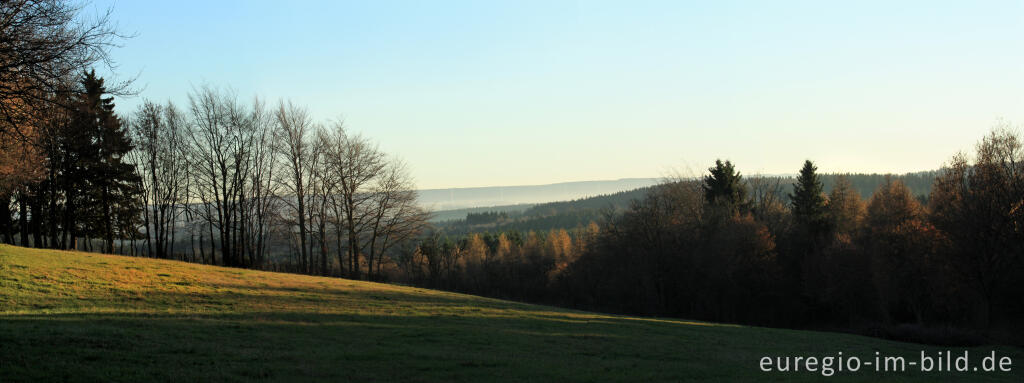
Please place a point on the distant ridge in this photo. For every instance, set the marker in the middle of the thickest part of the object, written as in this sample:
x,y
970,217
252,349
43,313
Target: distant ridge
x,y
455,203
462,198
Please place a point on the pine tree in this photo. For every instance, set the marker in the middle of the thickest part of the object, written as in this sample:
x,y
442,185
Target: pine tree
x,y
106,185
724,187
808,198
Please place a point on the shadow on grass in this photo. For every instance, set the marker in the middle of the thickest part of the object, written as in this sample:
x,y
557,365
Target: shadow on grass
x,y
287,346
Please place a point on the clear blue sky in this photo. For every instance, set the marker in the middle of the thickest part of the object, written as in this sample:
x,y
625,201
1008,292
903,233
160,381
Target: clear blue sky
x,y
480,93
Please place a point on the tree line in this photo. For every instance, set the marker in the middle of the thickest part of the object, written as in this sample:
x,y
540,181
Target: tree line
x,y
218,181
580,212
510,265
945,267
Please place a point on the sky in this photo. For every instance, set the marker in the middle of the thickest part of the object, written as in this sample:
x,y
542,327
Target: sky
x,y
488,93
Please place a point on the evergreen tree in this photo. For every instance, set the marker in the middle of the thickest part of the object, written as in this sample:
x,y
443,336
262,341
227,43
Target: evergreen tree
x,y
805,262
105,185
808,198
71,155
724,187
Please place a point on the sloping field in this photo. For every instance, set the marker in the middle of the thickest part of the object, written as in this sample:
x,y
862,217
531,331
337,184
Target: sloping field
x,y
68,316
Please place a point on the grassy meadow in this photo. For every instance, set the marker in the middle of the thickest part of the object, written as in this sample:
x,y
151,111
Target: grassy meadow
x,y
69,316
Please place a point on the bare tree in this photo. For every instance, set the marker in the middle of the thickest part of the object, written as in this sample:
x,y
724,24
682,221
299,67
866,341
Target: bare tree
x,y
320,187
220,140
394,215
336,215
356,162
158,132
292,143
262,188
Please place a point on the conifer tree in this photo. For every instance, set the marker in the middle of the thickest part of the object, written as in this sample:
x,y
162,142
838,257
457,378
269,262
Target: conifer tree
x,y
808,198
724,187
104,184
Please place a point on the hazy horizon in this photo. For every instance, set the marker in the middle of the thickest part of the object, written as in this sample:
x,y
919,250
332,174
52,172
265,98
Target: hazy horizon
x,y
472,94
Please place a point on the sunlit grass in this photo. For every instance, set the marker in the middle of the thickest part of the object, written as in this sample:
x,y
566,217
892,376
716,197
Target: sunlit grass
x,y
70,316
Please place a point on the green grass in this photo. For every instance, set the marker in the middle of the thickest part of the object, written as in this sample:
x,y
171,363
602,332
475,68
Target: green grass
x,y
68,316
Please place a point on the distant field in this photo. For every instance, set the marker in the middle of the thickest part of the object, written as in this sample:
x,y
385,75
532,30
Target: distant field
x,y
460,214
67,316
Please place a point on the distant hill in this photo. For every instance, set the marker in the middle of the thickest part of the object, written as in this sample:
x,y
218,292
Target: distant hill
x,y
539,217
581,211
461,198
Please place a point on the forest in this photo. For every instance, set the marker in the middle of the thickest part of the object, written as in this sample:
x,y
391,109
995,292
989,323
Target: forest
x,y
930,257
942,267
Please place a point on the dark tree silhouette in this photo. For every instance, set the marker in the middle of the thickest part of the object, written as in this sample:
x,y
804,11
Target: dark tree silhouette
x,y
724,187
808,198
980,207
109,183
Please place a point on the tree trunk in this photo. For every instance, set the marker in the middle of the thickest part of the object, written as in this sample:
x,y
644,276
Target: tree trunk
x,y
302,228
36,225
202,251
23,218
108,228
170,227
341,264
52,197
5,219
213,247
323,250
